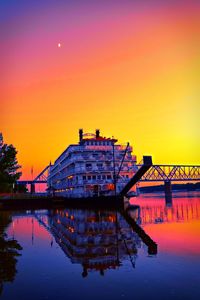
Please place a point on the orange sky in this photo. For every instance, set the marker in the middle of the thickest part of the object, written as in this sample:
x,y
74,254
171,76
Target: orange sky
x,y
129,69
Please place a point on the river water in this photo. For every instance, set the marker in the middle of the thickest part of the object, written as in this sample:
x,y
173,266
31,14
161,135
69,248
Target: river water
x,y
85,254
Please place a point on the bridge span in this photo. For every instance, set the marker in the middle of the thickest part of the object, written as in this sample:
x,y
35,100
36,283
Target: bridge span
x,y
172,173
40,178
154,173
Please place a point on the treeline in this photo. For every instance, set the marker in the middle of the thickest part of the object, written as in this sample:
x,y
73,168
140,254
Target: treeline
x,y
9,167
175,187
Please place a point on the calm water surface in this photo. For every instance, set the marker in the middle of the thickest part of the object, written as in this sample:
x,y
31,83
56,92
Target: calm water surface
x,y
79,254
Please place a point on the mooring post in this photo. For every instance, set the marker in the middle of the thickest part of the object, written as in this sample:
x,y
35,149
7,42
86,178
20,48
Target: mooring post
x,y
168,192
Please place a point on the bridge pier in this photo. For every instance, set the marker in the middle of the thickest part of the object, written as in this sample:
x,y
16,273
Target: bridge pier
x,y
168,192
32,188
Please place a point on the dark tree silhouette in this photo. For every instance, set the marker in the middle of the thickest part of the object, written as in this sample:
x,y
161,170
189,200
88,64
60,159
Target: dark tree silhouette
x,y
8,166
8,252
20,188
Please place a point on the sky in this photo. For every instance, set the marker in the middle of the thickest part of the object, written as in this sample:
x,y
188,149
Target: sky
x,y
130,68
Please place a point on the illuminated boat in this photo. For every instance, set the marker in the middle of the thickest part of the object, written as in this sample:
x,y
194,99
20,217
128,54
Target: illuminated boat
x,y
96,166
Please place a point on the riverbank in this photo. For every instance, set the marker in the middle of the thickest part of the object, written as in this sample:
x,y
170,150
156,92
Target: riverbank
x,y
43,202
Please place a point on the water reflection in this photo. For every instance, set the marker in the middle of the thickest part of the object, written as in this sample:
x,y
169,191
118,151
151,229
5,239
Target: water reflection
x,y
111,243
98,240
8,252
154,210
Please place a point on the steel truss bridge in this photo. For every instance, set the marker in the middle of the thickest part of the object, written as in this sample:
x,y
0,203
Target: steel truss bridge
x,y
155,173
40,178
171,173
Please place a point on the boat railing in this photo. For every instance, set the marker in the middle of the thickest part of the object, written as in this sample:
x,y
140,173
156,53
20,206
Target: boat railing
x,y
62,166
84,170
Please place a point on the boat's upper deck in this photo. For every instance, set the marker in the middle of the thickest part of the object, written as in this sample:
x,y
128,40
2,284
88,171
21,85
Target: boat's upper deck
x,y
92,147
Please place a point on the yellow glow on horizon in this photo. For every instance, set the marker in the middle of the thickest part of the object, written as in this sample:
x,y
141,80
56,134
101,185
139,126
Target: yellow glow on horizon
x,y
138,82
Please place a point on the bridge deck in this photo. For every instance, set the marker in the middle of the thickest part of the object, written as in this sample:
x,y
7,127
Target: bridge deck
x,y
155,173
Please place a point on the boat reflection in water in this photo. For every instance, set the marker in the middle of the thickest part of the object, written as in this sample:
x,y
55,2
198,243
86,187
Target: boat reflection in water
x,y
65,251
98,240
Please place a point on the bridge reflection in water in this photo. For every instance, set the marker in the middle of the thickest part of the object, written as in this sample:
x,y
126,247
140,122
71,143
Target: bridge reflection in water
x,y
101,240
154,210
60,246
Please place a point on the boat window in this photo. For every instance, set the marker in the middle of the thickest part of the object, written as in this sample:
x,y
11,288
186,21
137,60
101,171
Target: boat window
x,y
94,177
99,177
89,177
88,165
84,177
103,176
108,176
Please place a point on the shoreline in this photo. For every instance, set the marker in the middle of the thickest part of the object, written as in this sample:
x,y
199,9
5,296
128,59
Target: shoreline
x,y
110,202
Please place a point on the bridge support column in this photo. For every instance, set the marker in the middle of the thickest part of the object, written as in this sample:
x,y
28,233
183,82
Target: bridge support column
x,y
32,188
168,192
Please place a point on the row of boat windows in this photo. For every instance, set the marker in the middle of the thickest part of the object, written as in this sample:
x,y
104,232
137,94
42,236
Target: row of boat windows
x,y
99,177
97,156
108,159
99,143
107,164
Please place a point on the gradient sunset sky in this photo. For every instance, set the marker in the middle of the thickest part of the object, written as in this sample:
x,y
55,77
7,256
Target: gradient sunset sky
x,y
130,68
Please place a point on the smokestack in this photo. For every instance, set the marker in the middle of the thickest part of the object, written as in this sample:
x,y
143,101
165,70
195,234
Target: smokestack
x,y
80,135
97,133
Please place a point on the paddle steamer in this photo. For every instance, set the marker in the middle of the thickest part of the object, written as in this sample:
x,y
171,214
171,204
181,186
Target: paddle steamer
x,y
96,166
